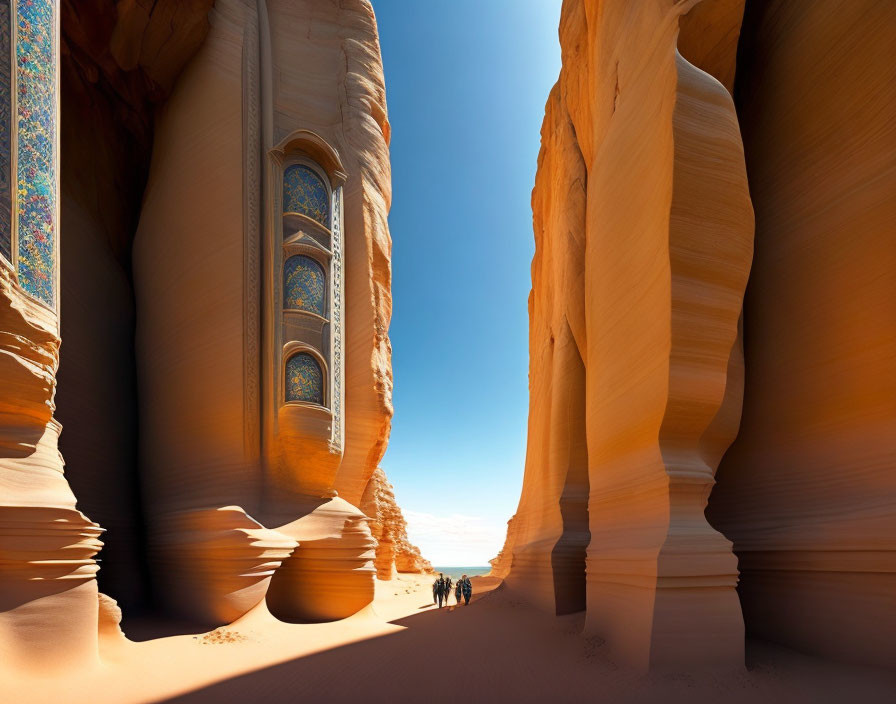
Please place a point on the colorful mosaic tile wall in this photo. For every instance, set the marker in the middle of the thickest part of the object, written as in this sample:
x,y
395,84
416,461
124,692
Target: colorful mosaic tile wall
x,y
304,379
304,192
304,285
5,127
36,147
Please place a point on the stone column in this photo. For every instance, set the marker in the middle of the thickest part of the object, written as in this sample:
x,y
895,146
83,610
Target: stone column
x,y
48,593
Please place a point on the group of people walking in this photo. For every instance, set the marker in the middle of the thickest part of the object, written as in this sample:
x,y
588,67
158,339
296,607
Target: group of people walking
x,y
441,590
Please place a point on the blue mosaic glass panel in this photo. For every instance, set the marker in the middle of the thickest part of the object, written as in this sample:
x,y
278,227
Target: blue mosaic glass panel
x,y
5,128
36,168
304,285
304,379
304,192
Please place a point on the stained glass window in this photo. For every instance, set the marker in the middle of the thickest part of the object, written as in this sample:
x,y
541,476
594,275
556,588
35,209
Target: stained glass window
x,y
304,192
304,379
304,285
36,150
5,127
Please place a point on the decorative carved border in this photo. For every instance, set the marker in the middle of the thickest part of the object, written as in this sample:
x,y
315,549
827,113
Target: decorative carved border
x,y
251,228
337,341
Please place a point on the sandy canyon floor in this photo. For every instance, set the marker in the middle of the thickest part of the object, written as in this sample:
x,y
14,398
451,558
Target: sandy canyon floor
x,y
403,649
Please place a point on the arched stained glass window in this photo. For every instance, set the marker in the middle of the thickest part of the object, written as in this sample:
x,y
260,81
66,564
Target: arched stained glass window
x,y
304,285
304,379
304,192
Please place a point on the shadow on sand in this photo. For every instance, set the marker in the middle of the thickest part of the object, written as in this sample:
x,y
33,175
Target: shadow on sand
x,y
499,650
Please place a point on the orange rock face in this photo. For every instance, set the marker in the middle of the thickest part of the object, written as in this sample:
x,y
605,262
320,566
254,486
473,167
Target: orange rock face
x,y
212,325
394,552
331,574
643,246
208,473
807,492
644,233
48,592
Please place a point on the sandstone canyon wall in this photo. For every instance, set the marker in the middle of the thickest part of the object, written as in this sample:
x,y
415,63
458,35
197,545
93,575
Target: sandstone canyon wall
x,y
226,408
643,245
48,592
118,63
215,322
669,123
394,552
808,492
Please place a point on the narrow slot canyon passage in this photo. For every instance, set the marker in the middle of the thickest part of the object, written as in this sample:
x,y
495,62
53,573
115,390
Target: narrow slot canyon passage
x,y
216,242
104,166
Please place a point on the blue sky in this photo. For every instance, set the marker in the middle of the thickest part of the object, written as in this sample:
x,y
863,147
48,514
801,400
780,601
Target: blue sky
x,y
466,83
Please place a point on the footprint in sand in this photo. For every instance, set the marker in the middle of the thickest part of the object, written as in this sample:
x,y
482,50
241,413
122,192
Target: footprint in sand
x,y
220,636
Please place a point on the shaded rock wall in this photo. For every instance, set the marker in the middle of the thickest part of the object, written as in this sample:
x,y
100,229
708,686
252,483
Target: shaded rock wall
x,y
118,62
394,552
807,492
192,291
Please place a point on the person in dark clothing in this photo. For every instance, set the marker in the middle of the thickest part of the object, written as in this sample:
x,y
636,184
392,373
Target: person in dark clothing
x,y
435,592
467,589
458,591
448,585
440,591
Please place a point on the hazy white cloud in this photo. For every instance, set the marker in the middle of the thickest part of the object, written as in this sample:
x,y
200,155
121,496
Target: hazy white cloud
x,y
455,539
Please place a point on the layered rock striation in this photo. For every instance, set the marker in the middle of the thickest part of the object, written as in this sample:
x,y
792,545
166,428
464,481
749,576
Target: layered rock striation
x,y
214,319
394,552
48,591
331,574
647,358
189,435
119,63
643,246
807,493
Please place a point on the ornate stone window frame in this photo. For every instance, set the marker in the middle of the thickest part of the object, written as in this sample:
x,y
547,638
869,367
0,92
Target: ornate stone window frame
x,y
309,149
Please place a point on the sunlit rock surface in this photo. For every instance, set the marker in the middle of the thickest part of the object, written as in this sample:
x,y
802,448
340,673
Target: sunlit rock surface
x,y
179,119
217,563
394,552
207,279
331,574
644,234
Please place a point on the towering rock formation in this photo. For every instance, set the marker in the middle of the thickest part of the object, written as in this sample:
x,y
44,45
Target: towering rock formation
x,y
643,245
263,296
48,594
394,552
226,372
808,492
119,62
644,232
